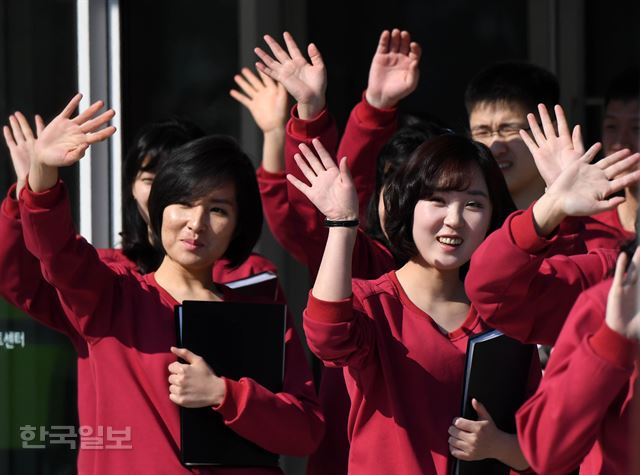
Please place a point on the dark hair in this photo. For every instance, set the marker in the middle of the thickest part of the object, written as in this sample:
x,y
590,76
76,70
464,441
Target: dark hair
x,y
152,145
441,163
624,87
196,169
413,131
513,81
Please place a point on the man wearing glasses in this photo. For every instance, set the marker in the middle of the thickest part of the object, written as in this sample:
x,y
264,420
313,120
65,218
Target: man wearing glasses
x,y
498,100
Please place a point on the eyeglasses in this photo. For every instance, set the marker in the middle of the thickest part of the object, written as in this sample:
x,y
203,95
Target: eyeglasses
x,y
504,131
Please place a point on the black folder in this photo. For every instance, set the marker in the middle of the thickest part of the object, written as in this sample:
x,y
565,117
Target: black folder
x,y
261,286
236,339
497,372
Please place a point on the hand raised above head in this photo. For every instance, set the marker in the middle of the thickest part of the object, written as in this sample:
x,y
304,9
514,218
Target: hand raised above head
x,y
305,81
330,188
21,142
552,151
394,69
64,141
584,189
265,99
622,311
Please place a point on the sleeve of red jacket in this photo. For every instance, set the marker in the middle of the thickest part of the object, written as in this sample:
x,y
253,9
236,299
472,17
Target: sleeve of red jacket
x,y
589,367
289,422
339,333
520,291
367,131
21,280
85,285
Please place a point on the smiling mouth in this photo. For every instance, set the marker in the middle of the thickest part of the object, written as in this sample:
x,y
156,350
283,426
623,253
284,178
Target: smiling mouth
x,y
450,241
504,165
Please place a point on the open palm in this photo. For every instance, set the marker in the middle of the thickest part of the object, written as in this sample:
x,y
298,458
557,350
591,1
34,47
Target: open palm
x,y
305,81
622,312
64,141
330,188
551,151
584,189
394,69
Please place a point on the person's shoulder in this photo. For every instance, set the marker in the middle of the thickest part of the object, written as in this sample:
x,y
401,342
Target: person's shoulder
x,y
115,258
373,288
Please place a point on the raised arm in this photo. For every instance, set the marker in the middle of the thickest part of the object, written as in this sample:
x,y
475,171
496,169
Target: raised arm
x,y
266,100
393,75
585,394
67,261
527,295
332,191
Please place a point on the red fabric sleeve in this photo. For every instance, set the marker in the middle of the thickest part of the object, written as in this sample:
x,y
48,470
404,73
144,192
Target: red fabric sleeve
x,y
289,422
367,131
337,333
559,425
525,294
21,280
85,285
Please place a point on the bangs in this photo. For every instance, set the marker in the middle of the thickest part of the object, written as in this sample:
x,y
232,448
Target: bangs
x,y
453,173
203,187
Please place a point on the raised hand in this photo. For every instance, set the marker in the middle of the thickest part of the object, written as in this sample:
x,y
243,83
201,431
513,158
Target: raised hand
x,y
64,141
622,312
585,189
330,188
265,98
194,384
21,141
394,69
551,151
306,81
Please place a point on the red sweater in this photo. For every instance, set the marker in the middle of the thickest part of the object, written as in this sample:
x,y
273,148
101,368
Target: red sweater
x,y
404,376
580,235
127,325
513,266
582,411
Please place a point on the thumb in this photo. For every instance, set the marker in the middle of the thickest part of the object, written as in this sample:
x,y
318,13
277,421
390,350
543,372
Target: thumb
x,y
344,170
185,354
483,414
39,125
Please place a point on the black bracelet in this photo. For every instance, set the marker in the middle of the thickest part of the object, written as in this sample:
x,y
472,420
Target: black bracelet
x,y
347,223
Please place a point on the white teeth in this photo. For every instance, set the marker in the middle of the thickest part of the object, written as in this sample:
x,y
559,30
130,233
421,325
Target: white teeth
x,y
504,165
450,241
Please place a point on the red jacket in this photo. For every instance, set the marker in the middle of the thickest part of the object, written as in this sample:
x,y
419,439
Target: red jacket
x,y
126,323
582,410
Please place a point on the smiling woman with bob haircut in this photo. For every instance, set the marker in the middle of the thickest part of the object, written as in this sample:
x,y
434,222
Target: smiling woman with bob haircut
x,y
402,338
204,205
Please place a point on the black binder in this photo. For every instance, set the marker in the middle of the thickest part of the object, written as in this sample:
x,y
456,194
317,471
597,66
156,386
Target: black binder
x,y
497,372
236,339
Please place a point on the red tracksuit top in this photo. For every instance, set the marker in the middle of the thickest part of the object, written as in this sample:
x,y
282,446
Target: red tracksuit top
x,y
380,340
124,324
582,411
